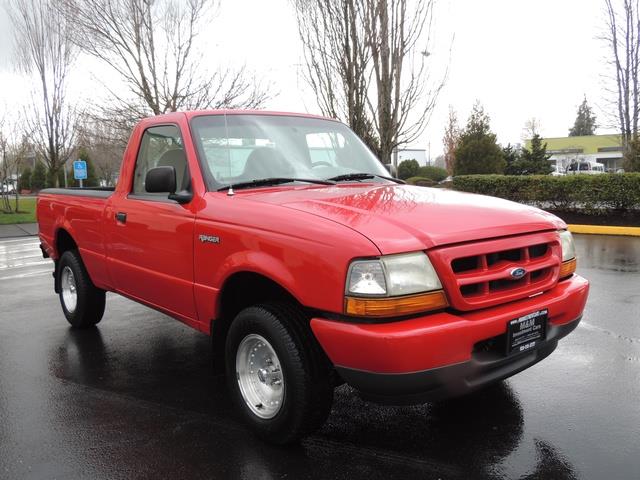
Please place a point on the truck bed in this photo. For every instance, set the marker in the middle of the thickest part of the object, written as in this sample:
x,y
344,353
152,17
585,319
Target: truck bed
x,y
81,212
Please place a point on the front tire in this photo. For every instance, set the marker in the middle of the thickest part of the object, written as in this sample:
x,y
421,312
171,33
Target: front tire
x,y
278,375
82,302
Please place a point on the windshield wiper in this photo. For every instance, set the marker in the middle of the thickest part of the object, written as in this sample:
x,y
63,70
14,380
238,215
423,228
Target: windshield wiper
x,y
264,182
362,176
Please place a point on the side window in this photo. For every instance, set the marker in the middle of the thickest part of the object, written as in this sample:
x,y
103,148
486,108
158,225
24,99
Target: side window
x,y
161,147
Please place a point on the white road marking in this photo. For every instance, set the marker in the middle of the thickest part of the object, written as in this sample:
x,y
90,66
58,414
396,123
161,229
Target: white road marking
x,y
20,241
19,256
37,273
13,265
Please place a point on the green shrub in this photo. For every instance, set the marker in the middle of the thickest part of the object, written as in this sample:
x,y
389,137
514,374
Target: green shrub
x,y
38,177
24,182
408,169
420,181
436,174
587,193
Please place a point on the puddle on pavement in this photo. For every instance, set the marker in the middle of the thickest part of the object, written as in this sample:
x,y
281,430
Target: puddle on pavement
x,y
608,252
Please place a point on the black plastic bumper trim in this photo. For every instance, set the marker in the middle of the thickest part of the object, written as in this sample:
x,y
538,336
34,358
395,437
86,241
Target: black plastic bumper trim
x,y
434,384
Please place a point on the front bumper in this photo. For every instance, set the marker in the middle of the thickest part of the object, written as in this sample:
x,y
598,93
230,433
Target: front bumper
x,y
447,353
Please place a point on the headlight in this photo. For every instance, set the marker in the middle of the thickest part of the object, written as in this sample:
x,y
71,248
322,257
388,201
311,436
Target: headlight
x,y
568,247
392,275
569,263
393,285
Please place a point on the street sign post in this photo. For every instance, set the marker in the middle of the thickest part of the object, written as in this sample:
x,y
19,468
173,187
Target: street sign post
x,y
80,170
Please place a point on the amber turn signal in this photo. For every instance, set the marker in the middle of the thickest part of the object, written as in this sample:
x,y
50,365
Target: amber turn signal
x,y
567,268
395,306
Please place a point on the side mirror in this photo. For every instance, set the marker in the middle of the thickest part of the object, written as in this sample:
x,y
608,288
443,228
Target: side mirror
x,y
161,180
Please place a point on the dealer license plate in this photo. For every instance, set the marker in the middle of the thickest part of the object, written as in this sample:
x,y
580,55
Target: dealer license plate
x,y
527,332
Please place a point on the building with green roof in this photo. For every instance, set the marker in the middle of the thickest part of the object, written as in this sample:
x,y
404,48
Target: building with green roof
x,y
604,149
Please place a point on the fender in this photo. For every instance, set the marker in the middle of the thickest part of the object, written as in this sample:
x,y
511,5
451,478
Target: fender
x,y
94,261
207,297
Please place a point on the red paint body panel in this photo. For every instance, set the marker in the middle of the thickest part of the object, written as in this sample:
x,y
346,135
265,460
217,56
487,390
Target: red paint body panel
x,y
83,219
439,339
304,238
305,254
403,218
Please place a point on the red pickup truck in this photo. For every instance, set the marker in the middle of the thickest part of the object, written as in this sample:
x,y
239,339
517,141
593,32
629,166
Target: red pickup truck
x,y
284,238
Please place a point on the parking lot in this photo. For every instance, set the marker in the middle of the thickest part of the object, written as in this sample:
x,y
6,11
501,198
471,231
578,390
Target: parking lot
x,y
136,397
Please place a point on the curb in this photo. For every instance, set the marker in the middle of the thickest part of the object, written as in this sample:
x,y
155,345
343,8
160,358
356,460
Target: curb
x,y
605,230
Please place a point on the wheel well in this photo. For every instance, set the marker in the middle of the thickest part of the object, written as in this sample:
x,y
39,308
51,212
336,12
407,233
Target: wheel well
x,y
64,242
240,291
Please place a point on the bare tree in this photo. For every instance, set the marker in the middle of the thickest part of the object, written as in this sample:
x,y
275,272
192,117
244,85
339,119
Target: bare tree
x,y
399,39
367,62
44,48
152,46
623,39
13,148
337,61
450,140
532,127
5,169
104,148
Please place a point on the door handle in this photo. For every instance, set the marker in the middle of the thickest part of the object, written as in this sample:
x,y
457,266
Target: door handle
x,y
121,217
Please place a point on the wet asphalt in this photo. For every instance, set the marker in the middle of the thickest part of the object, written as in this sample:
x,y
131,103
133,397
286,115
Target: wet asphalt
x,y
136,398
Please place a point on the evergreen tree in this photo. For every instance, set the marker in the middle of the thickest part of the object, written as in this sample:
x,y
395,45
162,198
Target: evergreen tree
x,y
24,182
38,178
536,160
55,178
512,157
632,157
585,123
477,150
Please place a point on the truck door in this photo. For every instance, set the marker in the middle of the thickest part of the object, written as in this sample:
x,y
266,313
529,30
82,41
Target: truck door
x,y
150,241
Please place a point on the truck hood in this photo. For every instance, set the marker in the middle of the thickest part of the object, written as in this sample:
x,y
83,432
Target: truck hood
x,y
400,218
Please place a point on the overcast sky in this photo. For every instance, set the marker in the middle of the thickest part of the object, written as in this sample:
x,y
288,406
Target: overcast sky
x,y
520,59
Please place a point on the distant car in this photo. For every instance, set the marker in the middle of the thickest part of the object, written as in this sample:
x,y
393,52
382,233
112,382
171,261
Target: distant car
x,y
7,189
558,171
585,168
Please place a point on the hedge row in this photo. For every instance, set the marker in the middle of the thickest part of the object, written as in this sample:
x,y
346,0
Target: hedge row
x,y
421,181
587,193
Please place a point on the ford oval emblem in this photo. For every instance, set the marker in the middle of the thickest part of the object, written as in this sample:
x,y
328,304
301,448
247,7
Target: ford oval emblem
x,y
518,273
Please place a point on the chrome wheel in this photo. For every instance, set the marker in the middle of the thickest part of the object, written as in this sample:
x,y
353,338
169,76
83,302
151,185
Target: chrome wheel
x,y
259,376
68,286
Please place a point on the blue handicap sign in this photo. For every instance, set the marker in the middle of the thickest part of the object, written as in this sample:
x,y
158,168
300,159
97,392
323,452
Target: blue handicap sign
x,y
80,170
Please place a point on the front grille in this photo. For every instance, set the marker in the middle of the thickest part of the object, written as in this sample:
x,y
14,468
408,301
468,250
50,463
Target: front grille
x,y
478,275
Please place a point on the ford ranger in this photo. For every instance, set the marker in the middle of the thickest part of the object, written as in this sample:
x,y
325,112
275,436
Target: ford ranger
x,y
285,239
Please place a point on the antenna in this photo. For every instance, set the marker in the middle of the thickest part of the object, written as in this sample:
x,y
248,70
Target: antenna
x,y
230,192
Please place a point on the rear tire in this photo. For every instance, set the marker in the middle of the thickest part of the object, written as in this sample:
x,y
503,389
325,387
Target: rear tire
x,y
82,302
277,373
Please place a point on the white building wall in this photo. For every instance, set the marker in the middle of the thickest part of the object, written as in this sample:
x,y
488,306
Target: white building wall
x,y
415,154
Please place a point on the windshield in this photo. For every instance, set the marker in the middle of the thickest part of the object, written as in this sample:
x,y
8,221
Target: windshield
x,y
244,148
